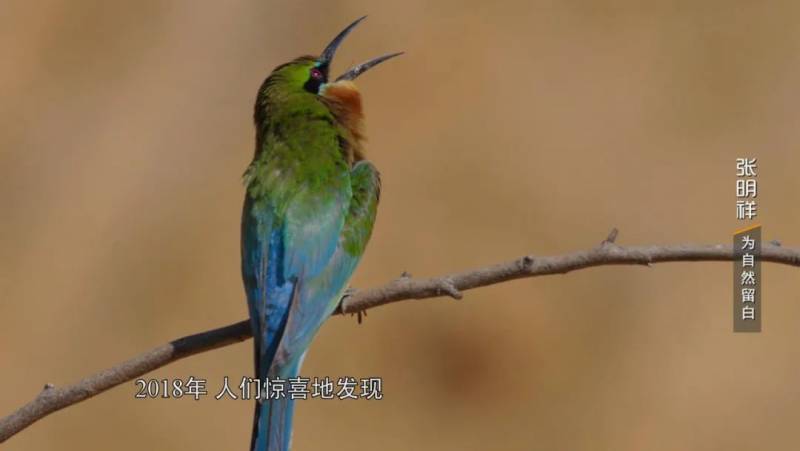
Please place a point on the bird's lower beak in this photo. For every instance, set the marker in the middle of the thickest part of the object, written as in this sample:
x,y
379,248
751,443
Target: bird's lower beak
x,y
327,55
359,69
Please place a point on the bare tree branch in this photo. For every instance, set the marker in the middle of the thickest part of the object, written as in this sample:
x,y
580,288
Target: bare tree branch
x,y
608,252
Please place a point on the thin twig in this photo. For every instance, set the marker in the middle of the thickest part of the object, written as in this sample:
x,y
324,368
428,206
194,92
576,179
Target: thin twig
x,y
608,252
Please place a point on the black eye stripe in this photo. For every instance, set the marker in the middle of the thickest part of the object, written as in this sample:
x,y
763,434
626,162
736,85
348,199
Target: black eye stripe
x,y
316,77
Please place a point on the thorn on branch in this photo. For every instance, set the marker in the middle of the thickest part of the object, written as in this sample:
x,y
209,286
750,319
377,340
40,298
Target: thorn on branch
x,y
611,238
405,276
46,390
526,262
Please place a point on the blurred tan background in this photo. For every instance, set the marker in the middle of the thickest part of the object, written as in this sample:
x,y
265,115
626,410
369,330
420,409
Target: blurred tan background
x,y
508,128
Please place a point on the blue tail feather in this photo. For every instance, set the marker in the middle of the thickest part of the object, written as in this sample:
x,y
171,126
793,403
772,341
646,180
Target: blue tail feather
x,y
272,423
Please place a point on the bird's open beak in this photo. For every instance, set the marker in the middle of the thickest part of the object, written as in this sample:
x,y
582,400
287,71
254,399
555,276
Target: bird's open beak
x,y
327,54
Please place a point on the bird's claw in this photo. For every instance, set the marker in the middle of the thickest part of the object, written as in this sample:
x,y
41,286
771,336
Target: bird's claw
x,y
350,292
359,315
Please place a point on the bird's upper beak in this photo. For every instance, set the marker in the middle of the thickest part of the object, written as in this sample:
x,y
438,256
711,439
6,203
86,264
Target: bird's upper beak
x,y
351,74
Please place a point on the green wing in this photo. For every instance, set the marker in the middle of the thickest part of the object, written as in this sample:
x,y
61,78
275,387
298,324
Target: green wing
x,y
317,297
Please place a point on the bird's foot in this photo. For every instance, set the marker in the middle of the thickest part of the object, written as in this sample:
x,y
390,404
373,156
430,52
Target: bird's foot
x,y
349,292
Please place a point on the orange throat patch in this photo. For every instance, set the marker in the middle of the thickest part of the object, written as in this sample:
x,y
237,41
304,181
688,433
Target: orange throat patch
x,y
344,100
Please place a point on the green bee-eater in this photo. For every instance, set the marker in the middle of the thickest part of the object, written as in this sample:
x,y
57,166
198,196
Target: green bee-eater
x,y
308,214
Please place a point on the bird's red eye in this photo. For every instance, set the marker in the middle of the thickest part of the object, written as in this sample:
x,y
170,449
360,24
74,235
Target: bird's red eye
x,y
316,74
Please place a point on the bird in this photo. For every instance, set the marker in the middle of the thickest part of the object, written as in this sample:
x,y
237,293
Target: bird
x,y
309,209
